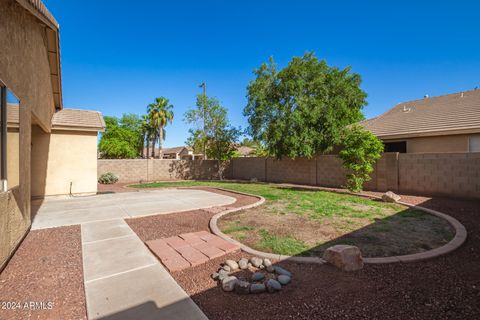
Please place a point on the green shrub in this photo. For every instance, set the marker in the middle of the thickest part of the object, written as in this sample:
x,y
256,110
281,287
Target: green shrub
x,y
361,149
108,178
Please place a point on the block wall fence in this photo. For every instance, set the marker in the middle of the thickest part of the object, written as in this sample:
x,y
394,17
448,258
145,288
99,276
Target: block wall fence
x,y
443,174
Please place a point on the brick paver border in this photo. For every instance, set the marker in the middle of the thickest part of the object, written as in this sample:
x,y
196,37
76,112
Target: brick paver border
x,y
457,241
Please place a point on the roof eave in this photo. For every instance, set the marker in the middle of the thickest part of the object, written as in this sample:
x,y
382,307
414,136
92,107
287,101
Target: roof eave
x,y
429,133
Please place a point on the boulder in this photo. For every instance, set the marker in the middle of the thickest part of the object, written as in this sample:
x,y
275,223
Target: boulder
x,y
256,262
257,288
280,270
243,263
232,264
258,276
283,279
242,287
344,257
389,196
273,285
267,262
228,284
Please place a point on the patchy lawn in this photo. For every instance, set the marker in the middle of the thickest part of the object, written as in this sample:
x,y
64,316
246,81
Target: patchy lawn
x,y
306,222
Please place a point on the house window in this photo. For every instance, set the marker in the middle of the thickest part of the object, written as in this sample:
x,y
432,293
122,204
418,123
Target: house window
x,y
474,144
400,146
9,139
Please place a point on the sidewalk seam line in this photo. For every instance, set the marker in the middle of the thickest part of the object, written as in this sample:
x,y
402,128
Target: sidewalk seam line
x,y
122,272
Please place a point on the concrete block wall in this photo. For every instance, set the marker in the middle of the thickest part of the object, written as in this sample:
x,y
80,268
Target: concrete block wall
x,y
300,171
136,170
447,174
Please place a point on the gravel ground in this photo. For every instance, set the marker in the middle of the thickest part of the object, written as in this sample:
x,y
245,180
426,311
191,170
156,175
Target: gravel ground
x,y
447,287
47,268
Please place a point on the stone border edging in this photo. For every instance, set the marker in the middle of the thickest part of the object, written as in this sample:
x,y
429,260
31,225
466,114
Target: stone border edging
x,y
457,241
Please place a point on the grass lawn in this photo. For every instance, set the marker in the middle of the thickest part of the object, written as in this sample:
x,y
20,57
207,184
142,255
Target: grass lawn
x,y
306,222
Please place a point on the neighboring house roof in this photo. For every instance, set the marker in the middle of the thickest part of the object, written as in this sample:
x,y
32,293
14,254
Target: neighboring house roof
x,y
455,113
52,41
245,151
66,119
75,119
174,150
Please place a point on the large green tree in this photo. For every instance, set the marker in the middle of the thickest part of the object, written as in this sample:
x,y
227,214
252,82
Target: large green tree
x,y
160,113
211,128
301,110
122,138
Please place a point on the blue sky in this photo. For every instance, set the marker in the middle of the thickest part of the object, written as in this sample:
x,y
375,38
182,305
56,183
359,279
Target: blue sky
x,y
118,56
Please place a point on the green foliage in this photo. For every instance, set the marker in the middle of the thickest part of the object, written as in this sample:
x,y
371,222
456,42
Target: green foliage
x,y
122,138
108,178
361,149
302,109
282,245
160,114
212,129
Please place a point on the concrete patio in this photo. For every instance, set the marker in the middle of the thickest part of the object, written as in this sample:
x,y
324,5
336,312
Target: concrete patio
x,y
122,278
77,210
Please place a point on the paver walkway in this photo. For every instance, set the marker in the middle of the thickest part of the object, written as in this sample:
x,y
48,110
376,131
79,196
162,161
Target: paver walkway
x,y
123,279
62,212
190,249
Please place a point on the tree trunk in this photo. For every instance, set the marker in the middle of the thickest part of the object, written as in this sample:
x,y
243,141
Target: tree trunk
x,y
160,143
153,144
147,139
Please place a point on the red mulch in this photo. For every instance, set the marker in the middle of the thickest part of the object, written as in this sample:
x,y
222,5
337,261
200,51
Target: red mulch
x,y
447,287
47,267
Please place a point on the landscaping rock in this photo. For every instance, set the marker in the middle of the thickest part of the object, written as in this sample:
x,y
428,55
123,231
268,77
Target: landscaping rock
x,y
215,275
267,262
344,257
222,274
227,268
389,196
283,279
273,285
249,265
256,262
258,276
228,284
243,263
282,271
232,264
242,287
270,269
257,288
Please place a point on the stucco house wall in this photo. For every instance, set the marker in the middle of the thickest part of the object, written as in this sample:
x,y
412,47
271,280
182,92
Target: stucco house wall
x,y
25,69
65,163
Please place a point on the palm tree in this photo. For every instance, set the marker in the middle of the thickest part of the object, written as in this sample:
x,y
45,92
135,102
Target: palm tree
x,y
160,112
146,133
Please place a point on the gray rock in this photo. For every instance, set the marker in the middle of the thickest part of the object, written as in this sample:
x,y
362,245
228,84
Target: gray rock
x,y
273,285
215,275
232,264
249,265
270,269
228,284
389,196
222,276
242,287
283,279
256,262
280,270
258,276
243,263
227,268
257,288
267,262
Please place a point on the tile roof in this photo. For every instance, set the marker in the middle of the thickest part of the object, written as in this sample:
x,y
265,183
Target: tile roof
x,y
448,114
66,119
78,120
174,149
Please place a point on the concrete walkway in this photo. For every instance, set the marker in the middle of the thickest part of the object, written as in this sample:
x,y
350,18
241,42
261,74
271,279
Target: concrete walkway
x,y
123,279
62,212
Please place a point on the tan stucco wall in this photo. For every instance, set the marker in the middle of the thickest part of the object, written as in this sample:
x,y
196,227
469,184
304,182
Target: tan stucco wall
x,y
454,143
61,158
13,158
24,68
